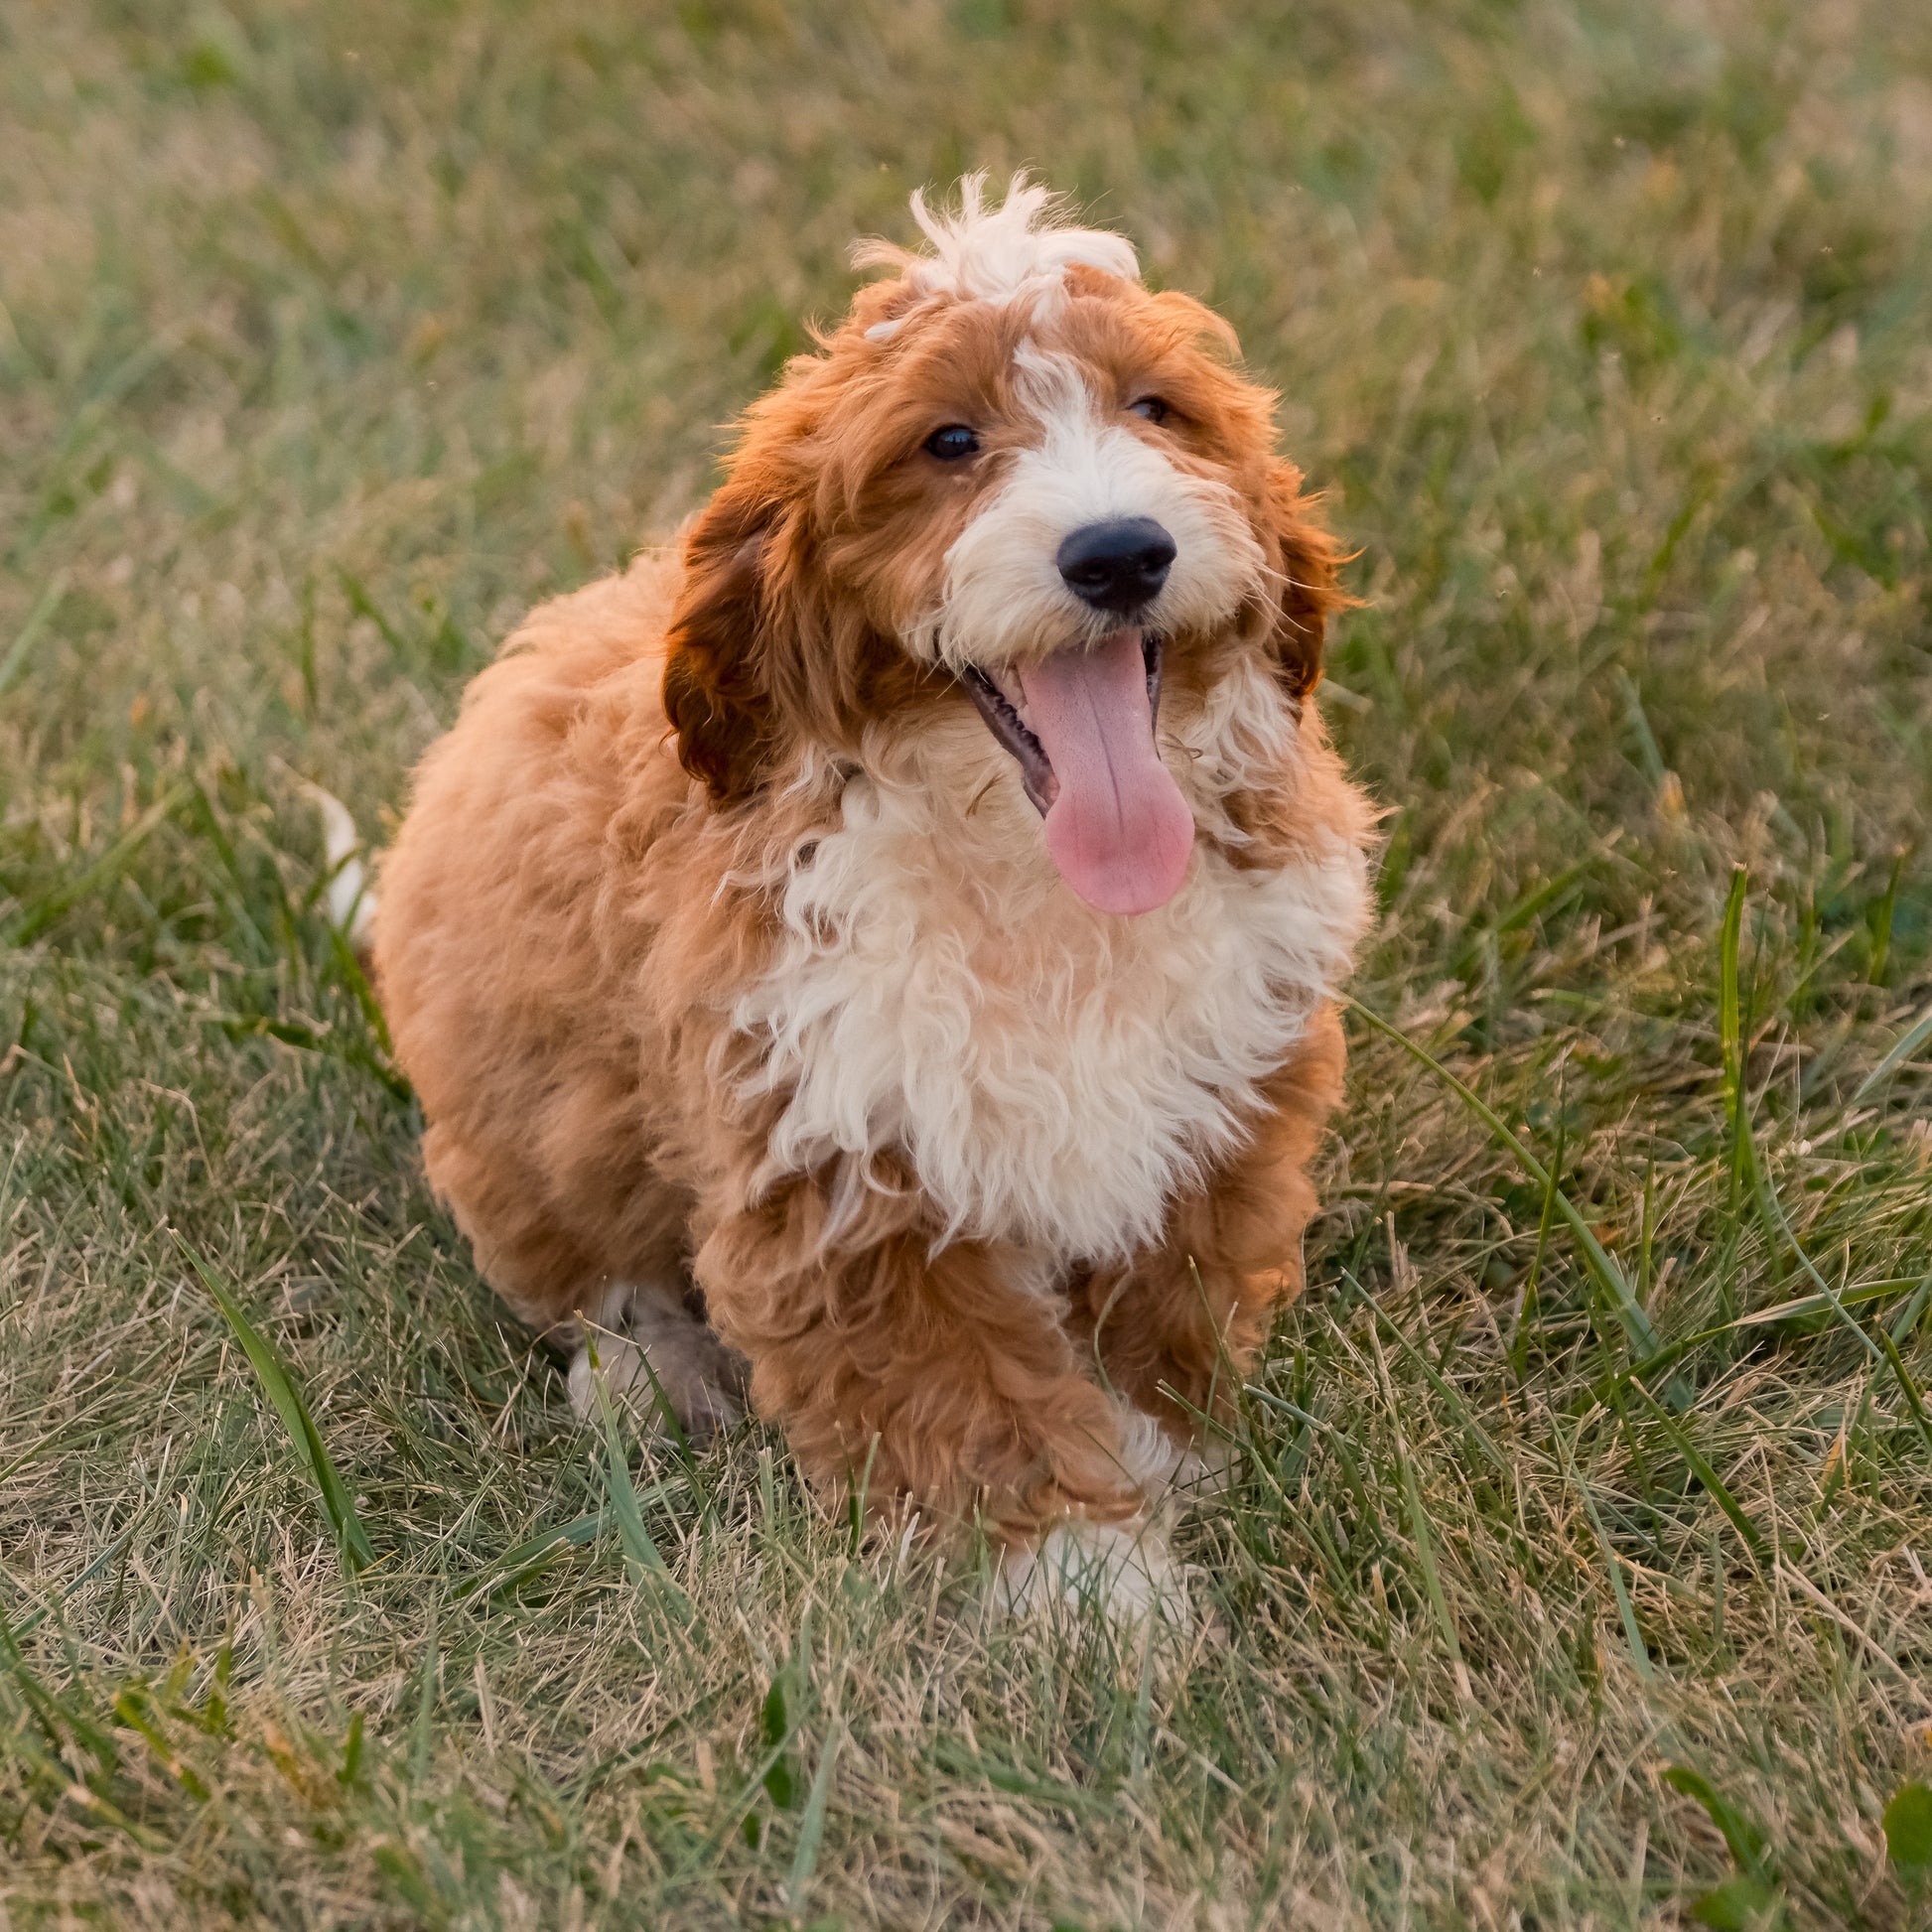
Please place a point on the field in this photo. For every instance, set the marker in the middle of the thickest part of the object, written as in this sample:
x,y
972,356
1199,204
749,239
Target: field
x,y
1575,1575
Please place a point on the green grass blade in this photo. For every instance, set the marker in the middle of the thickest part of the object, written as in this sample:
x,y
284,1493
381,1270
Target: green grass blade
x,y
29,1623
1706,1474
748,1796
1888,1353
358,982
338,1506
1913,1400
56,1714
1907,1043
14,664
1529,1309
31,921
1775,1218
1742,1837
1436,1381
1625,1609
1637,1325
1805,1305
1906,1318
774,1726
643,1557
1526,910
1287,1408
517,1567
92,1802
307,1039
1730,1033
134,1712
217,836
1649,751
1425,1556
812,1823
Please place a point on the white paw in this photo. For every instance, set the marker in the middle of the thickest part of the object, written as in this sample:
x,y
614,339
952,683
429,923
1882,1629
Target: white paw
x,y
1121,1570
667,1351
703,1405
1171,1477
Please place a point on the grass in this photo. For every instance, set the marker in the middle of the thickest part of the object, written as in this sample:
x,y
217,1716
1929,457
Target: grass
x,y
1575,1573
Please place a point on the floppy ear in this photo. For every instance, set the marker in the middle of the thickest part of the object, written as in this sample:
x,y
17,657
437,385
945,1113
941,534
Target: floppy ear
x,y
717,678
1307,557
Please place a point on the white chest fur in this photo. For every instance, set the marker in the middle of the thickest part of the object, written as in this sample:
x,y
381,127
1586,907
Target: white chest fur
x,y
1053,1074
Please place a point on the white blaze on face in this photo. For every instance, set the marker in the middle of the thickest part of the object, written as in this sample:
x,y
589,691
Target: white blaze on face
x,y
1004,597
1116,827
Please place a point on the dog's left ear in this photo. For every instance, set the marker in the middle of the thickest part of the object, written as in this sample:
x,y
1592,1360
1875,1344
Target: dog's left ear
x,y
1308,587
716,677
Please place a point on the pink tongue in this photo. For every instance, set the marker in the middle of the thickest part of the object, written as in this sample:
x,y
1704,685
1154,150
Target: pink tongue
x,y
1119,830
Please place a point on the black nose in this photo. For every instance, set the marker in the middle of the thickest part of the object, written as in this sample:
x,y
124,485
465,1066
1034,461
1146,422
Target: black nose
x,y
1118,566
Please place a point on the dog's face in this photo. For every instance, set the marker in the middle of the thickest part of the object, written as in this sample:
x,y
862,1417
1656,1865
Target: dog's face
x,y
1014,479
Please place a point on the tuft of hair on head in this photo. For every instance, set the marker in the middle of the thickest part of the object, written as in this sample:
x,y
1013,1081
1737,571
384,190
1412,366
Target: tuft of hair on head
x,y
987,253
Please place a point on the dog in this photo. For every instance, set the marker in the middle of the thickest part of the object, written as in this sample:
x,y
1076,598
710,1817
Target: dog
x,y
878,957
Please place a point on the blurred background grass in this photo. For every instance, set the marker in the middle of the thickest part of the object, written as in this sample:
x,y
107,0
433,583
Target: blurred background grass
x,y
332,334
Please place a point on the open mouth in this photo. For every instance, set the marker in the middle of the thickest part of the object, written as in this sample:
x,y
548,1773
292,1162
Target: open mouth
x,y
1002,701
1079,724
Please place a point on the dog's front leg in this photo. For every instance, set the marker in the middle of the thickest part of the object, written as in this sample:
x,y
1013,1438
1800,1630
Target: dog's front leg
x,y
943,1377
1177,1330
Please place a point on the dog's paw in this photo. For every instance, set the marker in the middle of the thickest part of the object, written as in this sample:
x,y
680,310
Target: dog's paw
x,y
1123,1571
702,1403
701,1380
1171,1477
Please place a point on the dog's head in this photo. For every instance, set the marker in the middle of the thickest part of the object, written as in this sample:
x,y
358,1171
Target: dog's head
x,y
1012,479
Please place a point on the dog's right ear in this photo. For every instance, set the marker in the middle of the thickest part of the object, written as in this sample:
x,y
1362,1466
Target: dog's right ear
x,y
716,677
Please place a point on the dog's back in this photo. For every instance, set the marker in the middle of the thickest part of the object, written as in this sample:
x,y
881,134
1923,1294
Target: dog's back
x,y
506,945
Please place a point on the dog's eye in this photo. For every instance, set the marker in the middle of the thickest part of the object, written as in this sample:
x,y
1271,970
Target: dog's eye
x,y
1152,407
952,442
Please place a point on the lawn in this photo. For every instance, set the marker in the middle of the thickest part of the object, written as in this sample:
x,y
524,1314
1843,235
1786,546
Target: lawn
x,y
1576,1573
